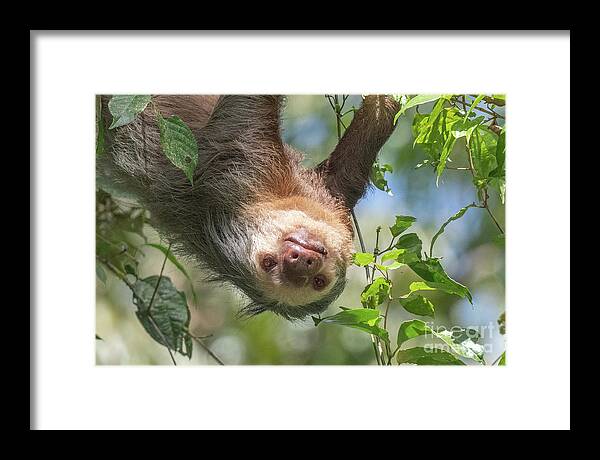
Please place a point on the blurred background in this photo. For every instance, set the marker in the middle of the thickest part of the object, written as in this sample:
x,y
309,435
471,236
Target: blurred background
x,y
472,255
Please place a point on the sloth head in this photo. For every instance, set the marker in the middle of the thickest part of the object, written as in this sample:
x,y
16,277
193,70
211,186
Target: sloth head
x,y
298,258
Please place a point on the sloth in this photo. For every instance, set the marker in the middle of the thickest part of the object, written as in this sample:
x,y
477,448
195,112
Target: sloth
x,y
253,217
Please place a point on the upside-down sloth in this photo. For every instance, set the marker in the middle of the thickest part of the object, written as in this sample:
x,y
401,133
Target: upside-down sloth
x,y
254,216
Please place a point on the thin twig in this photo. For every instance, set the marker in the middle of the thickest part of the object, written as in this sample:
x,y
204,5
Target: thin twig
x,y
389,248
162,336
486,197
115,271
385,317
360,239
337,117
492,100
489,112
123,250
386,313
497,359
484,203
337,109
494,219
149,309
374,339
375,252
159,278
207,349
392,356
122,277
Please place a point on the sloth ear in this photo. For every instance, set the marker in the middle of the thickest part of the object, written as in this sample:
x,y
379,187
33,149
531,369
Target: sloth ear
x,y
252,119
346,172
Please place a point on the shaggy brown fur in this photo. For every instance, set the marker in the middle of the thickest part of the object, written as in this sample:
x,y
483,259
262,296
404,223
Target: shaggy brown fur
x,y
250,193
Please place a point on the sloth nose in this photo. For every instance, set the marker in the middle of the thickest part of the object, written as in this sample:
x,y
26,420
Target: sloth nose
x,y
299,261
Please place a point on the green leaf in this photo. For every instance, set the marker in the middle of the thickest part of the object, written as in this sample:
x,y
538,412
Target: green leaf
x,y
125,108
502,361
483,143
393,266
179,144
500,185
464,128
168,320
353,316
452,128
169,255
364,319
100,273
474,105
500,155
432,272
376,293
99,338
418,305
437,110
460,341
117,252
378,177
417,100
502,323
425,357
432,134
498,175
444,154
421,286
392,254
115,224
456,216
412,246
421,127
362,258
402,223
406,250
411,329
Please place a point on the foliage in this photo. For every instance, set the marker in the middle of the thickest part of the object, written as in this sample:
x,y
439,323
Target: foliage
x,y
176,138
178,143
474,121
163,312
378,177
161,309
466,118
379,293
125,108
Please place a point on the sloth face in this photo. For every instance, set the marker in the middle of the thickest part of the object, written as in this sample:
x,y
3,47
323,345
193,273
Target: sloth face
x,y
298,268
300,261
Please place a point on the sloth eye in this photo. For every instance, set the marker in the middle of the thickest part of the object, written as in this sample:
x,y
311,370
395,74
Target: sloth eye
x,y
268,263
319,282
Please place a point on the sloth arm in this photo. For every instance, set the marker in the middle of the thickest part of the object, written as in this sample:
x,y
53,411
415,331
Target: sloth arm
x,y
346,171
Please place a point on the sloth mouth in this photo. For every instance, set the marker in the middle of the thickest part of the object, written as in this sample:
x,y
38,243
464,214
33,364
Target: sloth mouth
x,y
307,243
